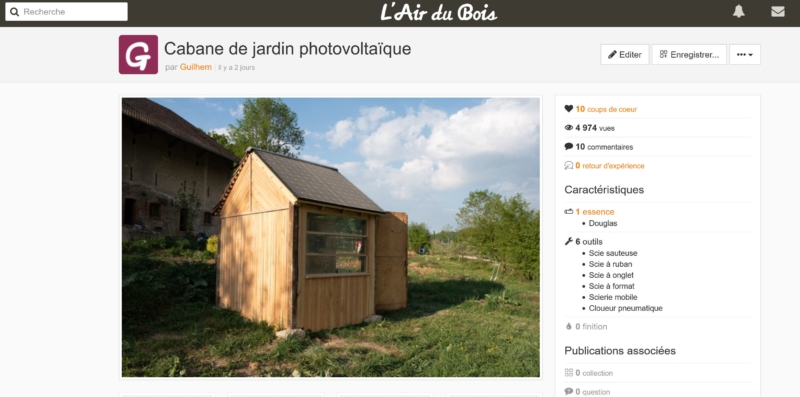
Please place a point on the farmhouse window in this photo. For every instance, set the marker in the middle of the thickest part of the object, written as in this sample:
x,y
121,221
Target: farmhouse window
x,y
155,210
183,220
335,244
129,212
206,218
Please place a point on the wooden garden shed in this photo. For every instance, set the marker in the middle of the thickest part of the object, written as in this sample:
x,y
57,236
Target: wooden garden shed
x,y
300,246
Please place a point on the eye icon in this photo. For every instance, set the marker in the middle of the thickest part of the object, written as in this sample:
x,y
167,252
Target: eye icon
x,y
568,127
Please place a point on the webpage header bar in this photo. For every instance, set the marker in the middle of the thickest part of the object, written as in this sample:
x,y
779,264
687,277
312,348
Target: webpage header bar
x,y
438,13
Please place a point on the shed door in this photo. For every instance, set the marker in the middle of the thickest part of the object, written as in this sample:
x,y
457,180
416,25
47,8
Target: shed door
x,y
391,261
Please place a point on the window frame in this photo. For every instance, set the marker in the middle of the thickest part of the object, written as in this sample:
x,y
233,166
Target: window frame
x,y
183,220
304,233
150,206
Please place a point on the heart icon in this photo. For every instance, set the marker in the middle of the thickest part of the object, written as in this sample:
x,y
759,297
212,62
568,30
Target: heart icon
x,y
568,107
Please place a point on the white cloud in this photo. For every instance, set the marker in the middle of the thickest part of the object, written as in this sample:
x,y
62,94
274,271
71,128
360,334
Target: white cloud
x,y
220,130
313,159
401,138
341,133
345,130
448,175
238,112
499,126
371,116
425,161
492,145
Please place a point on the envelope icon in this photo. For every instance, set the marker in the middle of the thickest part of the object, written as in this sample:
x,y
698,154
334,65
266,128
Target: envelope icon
x,y
778,11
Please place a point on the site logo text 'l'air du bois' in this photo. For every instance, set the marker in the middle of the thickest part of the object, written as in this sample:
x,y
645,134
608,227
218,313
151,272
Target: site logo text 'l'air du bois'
x,y
138,54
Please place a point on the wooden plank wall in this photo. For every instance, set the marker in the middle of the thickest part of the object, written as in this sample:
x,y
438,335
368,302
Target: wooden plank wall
x,y
325,302
331,302
257,189
255,277
371,228
255,258
391,262
267,191
238,201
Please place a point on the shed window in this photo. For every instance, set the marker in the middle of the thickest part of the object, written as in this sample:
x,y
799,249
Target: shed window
x,y
335,244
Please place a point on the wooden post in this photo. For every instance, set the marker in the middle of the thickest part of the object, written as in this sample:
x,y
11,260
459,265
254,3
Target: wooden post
x,y
371,224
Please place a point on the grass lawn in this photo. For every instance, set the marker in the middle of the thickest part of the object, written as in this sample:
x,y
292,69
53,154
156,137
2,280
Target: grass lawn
x,y
457,324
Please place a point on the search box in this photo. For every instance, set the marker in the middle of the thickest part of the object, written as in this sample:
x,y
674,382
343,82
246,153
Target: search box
x,y
54,12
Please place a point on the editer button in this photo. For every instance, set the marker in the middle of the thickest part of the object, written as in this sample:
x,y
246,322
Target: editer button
x,y
624,54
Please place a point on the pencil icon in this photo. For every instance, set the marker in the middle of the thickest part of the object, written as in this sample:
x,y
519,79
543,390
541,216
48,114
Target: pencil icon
x,y
612,54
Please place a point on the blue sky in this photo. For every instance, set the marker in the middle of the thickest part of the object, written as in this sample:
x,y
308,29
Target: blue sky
x,y
420,156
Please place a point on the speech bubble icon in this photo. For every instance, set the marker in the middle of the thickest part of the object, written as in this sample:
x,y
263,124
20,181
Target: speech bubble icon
x,y
568,391
568,146
568,165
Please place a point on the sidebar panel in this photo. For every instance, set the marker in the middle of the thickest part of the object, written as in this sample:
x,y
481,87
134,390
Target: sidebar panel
x,y
658,247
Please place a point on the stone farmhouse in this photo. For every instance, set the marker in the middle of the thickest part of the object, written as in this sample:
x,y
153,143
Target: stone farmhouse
x,y
162,155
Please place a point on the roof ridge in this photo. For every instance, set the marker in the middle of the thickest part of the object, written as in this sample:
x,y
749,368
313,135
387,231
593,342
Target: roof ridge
x,y
250,149
162,118
308,181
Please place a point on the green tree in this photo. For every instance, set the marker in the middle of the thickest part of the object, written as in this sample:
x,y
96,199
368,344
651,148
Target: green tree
x,y
222,139
479,221
267,124
505,230
419,236
520,238
189,205
447,235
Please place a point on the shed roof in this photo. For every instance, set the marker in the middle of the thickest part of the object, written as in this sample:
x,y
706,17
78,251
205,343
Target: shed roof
x,y
310,182
157,116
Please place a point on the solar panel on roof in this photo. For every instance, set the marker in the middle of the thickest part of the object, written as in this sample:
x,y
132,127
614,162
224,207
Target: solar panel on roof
x,y
315,182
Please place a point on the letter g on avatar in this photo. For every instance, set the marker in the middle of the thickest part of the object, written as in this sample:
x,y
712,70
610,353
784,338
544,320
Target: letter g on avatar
x,y
141,60
138,54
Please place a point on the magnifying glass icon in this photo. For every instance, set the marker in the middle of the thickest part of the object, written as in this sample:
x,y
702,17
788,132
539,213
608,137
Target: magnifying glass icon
x,y
14,11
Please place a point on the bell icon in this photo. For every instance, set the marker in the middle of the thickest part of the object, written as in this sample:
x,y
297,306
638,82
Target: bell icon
x,y
738,13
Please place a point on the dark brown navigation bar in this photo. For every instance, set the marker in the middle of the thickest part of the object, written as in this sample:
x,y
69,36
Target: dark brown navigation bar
x,y
486,13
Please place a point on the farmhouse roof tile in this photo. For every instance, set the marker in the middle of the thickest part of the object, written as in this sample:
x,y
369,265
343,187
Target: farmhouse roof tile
x,y
157,116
